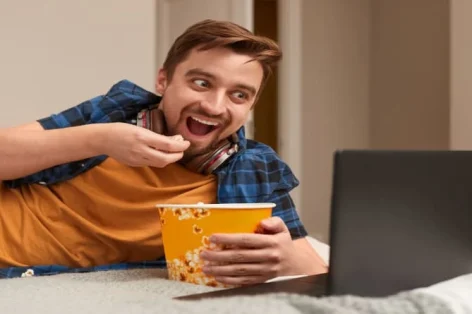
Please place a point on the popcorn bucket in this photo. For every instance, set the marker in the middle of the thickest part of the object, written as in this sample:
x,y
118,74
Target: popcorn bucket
x,y
186,229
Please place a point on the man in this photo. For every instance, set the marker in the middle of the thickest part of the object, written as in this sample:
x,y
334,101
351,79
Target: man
x,y
79,187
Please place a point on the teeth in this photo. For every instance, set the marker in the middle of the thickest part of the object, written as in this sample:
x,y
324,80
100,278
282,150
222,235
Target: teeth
x,y
205,122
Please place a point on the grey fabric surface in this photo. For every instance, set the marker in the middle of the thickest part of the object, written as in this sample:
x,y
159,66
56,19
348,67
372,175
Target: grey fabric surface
x,y
149,291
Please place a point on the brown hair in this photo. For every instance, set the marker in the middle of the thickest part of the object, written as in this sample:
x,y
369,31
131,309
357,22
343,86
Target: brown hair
x,y
210,34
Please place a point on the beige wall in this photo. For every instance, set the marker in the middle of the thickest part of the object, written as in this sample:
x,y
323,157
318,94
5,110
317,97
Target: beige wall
x,y
335,97
56,53
409,74
375,75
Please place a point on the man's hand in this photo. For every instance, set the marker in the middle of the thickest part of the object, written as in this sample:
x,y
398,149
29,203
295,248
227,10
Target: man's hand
x,y
253,258
136,146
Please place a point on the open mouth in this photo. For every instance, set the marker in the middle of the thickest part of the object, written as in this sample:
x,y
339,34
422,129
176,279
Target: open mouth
x,y
200,127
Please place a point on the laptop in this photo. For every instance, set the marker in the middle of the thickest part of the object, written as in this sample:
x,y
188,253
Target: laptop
x,y
400,220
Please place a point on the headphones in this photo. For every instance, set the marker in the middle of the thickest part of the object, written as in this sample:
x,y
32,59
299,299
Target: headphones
x,y
203,164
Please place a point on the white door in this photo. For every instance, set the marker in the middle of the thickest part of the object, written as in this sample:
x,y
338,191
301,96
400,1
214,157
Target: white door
x,y
174,16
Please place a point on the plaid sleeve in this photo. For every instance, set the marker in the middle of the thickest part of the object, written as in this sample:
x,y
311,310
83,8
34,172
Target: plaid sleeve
x,y
121,103
75,116
285,207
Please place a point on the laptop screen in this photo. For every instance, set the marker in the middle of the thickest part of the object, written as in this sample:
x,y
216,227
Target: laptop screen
x,y
400,220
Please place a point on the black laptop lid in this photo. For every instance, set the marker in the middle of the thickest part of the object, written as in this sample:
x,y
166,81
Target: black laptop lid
x,y
400,220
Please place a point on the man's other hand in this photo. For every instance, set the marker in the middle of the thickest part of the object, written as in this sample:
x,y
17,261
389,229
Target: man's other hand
x,y
253,258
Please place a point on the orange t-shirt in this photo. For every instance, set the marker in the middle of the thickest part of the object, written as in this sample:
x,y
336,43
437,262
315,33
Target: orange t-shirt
x,y
106,215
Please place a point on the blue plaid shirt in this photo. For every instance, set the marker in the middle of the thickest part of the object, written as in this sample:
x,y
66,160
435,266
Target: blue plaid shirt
x,y
254,174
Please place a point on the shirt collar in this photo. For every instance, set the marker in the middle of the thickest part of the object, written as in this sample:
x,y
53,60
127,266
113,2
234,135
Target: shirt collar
x,y
241,133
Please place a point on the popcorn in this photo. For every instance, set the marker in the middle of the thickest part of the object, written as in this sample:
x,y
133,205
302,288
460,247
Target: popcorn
x,y
212,246
197,229
186,213
178,138
189,269
188,266
28,273
205,241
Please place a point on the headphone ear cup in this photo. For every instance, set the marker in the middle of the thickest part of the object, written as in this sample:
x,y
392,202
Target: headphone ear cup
x,y
160,125
208,163
218,157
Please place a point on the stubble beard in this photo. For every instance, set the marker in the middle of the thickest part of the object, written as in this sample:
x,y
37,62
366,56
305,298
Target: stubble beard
x,y
196,152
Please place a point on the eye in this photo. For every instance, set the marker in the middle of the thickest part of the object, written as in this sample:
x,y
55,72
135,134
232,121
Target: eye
x,y
240,95
201,83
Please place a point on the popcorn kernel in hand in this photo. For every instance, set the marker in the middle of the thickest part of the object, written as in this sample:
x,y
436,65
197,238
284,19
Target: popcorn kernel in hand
x,y
178,138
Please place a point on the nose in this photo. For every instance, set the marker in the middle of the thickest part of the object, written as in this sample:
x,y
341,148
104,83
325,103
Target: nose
x,y
215,104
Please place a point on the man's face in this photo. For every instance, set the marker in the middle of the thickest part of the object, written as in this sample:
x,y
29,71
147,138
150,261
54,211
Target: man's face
x,y
209,97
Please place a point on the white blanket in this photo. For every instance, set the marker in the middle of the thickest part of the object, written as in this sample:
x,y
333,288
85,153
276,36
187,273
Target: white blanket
x,y
149,291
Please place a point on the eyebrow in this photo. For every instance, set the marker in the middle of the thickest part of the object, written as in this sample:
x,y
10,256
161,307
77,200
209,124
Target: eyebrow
x,y
196,71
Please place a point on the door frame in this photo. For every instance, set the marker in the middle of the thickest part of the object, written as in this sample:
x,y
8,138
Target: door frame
x,y
290,109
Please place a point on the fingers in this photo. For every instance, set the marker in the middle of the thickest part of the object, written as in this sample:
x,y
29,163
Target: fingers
x,y
157,150
174,144
244,240
241,274
241,270
240,256
233,270
147,156
272,225
156,158
242,280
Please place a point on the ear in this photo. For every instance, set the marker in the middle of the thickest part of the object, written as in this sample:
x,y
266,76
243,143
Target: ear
x,y
161,82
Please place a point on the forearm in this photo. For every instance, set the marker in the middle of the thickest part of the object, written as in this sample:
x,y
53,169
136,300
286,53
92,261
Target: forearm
x,y
307,260
24,151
